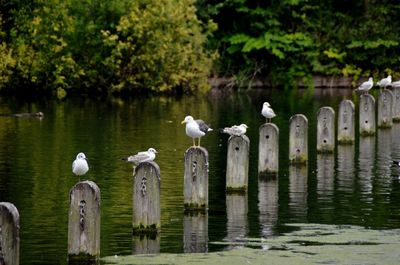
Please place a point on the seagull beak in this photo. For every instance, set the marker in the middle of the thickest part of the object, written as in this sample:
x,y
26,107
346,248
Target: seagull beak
x,y
182,122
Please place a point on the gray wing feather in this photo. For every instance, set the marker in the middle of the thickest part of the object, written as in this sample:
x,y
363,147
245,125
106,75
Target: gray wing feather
x,y
203,126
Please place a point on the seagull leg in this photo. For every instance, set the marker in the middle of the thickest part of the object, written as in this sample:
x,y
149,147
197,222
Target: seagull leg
x,y
199,141
194,144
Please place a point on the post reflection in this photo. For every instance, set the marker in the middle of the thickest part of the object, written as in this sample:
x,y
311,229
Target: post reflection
x,y
268,205
195,232
366,159
298,192
237,223
384,161
325,177
146,244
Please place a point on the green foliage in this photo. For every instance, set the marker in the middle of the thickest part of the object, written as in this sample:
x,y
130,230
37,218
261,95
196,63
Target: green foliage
x,y
159,46
7,61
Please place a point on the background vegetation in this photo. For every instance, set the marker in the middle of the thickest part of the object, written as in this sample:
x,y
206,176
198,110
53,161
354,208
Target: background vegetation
x,y
122,46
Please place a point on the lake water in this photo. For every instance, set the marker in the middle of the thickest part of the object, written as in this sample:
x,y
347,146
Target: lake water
x,y
358,185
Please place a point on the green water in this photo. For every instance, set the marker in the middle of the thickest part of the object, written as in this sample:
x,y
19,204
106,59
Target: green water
x,y
357,185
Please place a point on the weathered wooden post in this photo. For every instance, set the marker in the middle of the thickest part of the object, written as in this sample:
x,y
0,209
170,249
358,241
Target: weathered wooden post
x,y
385,108
325,130
9,234
195,232
346,122
236,212
367,115
268,150
84,222
196,179
146,198
268,205
298,192
298,139
237,166
396,104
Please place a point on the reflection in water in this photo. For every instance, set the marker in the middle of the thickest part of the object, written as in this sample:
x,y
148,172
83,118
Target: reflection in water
x,y
396,141
366,165
145,244
384,162
195,232
298,193
268,205
236,211
325,185
345,180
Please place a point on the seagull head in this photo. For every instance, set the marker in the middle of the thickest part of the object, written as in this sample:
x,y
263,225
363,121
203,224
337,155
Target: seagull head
x,y
243,125
81,156
152,150
266,104
187,119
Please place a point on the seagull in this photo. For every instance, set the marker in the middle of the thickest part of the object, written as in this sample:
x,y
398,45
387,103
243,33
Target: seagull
x,y
80,165
267,111
237,130
144,156
385,82
395,84
195,128
366,86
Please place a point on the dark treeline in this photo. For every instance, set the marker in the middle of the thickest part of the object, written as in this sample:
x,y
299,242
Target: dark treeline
x,y
123,46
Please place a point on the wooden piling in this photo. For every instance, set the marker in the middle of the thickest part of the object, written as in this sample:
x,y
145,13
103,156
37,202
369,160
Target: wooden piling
x,y
346,122
196,179
146,198
396,104
367,115
385,109
9,234
298,139
237,166
195,232
84,222
268,150
325,130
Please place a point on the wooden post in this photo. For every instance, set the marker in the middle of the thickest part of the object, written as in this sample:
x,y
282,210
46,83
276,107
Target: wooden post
x,y
367,115
346,122
325,130
84,222
236,213
298,139
9,234
146,198
195,232
237,166
268,150
385,108
396,104
268,205
196,179
298,192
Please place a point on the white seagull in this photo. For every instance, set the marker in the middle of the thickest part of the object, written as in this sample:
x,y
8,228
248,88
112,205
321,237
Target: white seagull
x,y
144,156
80,165
366,86
267,111
395,84
195,128
237,130
385,82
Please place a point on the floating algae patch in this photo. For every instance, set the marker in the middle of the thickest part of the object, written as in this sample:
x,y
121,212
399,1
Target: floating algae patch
x,y
309,244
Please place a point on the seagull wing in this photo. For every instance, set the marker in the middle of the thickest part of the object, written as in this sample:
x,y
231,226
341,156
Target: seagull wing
x,y
203,126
